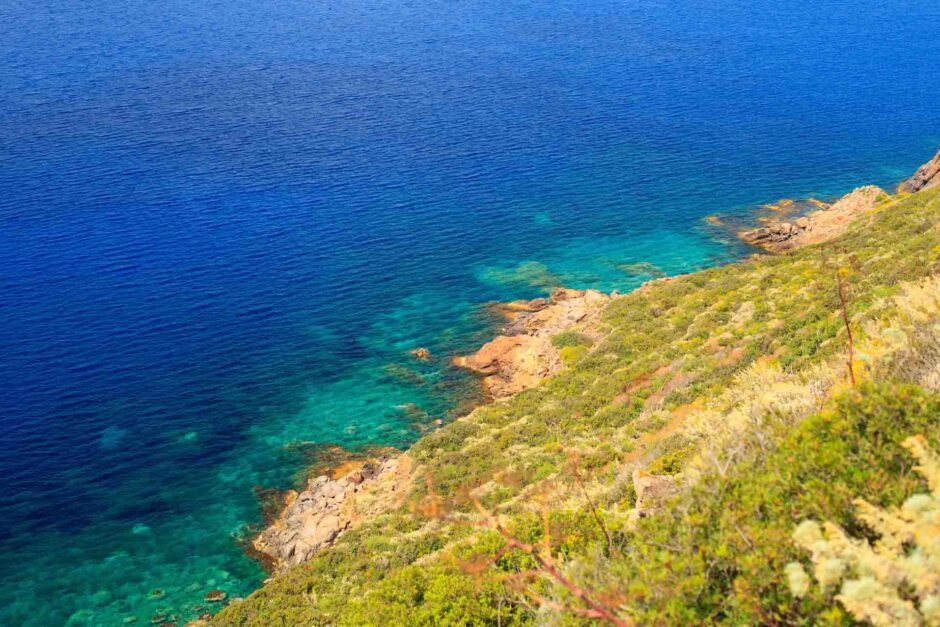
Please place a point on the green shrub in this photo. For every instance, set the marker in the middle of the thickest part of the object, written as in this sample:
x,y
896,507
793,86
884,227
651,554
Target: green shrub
x,y
572,339
721,556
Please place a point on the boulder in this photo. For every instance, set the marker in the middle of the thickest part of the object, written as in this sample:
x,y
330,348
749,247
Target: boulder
x,y
421,354
493,356
652,491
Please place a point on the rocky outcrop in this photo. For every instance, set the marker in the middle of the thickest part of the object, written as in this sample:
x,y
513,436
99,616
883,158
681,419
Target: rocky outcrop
x,y
524,355
652,492
927,176
818,226
316,517
513,309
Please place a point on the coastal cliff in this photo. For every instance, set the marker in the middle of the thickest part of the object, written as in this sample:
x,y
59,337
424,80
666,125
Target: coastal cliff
x,y
650,454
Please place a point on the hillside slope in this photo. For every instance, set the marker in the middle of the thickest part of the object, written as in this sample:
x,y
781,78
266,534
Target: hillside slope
x,y
723,397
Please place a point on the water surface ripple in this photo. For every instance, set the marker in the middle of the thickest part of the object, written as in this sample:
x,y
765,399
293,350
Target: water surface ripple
x,y
223,225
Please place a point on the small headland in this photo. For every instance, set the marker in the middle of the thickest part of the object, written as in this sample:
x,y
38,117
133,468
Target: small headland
x,y
333,502
535,342
791,228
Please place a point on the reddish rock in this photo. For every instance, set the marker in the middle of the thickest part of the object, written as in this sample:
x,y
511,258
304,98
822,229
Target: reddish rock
x,y
524,355
927,176
819,226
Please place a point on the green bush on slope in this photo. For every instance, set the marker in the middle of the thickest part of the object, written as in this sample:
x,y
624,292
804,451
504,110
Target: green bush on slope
x,y
720,555
894,582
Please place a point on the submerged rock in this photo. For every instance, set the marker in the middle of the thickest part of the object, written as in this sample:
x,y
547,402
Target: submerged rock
x,y
421,354
80,617
401,373
645,268
927,176
215,596
513,309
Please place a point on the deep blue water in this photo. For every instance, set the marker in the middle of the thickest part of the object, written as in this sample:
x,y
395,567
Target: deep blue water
x,y
224,224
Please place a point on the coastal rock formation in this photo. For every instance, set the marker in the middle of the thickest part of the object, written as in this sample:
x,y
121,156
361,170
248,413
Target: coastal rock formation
x,y
819,226
328,507
928,175
525,355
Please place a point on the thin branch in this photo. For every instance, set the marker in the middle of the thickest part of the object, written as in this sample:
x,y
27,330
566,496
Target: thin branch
x,y
843,306
600,523
595,609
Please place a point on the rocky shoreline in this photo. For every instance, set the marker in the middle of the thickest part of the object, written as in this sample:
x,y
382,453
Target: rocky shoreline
x,y
927,176
832,220
819,226
522,356
332,504
329,506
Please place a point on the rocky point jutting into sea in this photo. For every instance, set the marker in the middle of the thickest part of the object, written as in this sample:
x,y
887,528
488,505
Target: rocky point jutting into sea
x,y
832,220
522,356
525,354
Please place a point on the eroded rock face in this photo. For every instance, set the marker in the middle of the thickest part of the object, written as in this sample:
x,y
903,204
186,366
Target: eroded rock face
x,y
328,507
525,355
927,176
819,226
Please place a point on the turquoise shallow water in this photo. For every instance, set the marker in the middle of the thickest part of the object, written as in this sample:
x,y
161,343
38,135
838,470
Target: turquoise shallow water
x,y
223,226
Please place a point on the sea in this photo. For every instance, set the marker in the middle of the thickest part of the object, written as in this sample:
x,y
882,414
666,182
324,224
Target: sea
x,y
225,224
